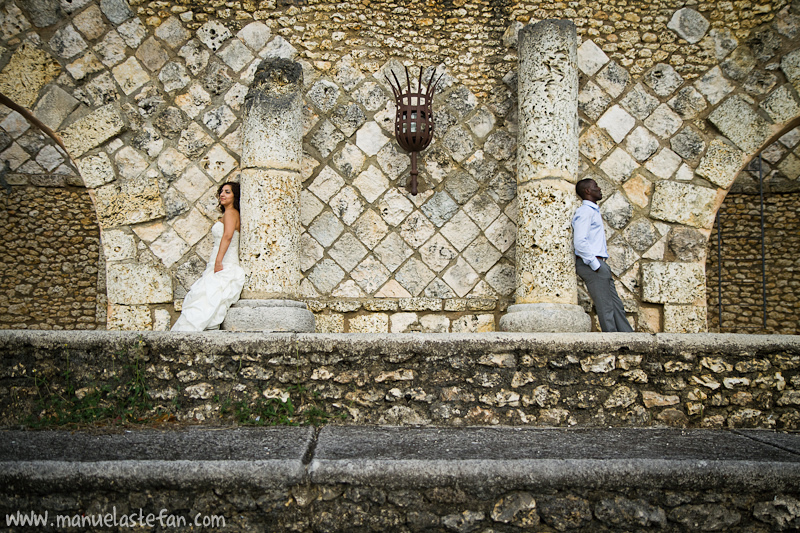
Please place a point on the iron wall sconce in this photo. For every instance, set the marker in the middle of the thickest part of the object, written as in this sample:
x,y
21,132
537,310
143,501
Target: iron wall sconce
x,y
413,124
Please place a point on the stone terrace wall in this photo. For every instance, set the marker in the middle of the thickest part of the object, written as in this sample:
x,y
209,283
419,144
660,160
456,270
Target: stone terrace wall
x,y
455,380
148,97
51,274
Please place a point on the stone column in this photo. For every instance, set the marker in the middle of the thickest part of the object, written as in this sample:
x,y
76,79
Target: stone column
x,y
272,136
547,170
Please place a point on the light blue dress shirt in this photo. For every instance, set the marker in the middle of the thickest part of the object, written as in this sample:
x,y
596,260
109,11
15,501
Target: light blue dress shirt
x,y
589,236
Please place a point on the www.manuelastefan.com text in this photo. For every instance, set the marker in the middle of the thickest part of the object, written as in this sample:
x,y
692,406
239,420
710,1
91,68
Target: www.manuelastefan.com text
x,y
163,519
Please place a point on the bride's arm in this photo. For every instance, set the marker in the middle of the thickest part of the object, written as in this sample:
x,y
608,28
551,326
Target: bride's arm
x,y
229,223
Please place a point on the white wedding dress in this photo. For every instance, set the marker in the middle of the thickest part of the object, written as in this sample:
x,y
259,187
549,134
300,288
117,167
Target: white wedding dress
x,y
209,298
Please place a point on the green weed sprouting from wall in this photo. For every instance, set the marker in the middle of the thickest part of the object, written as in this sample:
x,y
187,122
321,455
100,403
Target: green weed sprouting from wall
x,y
124,401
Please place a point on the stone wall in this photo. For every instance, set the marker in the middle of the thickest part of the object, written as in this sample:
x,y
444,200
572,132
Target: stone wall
x,y
51,272
442,507
632,380
148,98
742,289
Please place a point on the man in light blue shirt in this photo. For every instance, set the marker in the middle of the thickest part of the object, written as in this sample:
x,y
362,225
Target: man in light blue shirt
x,y
591,254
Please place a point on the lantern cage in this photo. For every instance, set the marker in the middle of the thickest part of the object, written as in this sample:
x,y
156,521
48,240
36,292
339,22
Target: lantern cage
x,y
413,124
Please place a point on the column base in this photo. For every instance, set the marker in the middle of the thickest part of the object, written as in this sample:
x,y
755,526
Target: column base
x,y
545,318
269,316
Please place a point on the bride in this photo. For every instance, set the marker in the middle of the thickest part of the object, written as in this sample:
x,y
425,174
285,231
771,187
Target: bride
x,y
209,298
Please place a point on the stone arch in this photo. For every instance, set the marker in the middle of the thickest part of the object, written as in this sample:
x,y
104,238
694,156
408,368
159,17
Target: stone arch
x,y
670,148
51,242
754,219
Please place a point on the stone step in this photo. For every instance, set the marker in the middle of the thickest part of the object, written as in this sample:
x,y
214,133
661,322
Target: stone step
x,y
411,478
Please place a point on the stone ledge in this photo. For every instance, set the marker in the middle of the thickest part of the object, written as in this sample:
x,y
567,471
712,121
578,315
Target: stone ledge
x,y
476,458
523,458
411,479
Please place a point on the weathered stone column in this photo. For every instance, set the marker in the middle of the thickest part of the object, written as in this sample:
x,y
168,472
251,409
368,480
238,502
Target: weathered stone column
x,y
272,136
547,169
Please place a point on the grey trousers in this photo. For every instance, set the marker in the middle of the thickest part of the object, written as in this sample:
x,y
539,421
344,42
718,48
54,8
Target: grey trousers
x,y
600,284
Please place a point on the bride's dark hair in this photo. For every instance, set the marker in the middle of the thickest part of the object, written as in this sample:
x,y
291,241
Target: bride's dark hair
x,y
235,190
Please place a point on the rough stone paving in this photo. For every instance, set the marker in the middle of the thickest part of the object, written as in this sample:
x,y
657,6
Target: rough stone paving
x,y
148,98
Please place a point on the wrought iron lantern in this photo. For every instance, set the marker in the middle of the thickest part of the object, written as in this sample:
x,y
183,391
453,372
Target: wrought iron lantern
x,y
413,124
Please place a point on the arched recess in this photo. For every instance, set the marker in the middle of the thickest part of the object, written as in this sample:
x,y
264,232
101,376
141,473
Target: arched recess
x,y
746,118
752,261
52,273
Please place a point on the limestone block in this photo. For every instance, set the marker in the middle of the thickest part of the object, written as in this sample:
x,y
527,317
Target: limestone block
x,y
619,166
329,323
129,202
648,320
641,144
67,42
371,323
236,55
269,316
664,164
255,35
460,230
721,163
689,24
270,249
790,65
739,64
591,58
133,32
548,114
348,251
688,144
688,103
326,229
172,32
685,319
663,121
617,122
192,227
613,78
594,144
54,106
544,317
129,317
616,211
213,34
639,102
638,189
130,75
592,100
781,105
138,283
724,42
687,244
117,11
92,130
685,204
96,170
714,85
474,324
118,245
372,183
27,72
738,121
673,283
545,259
